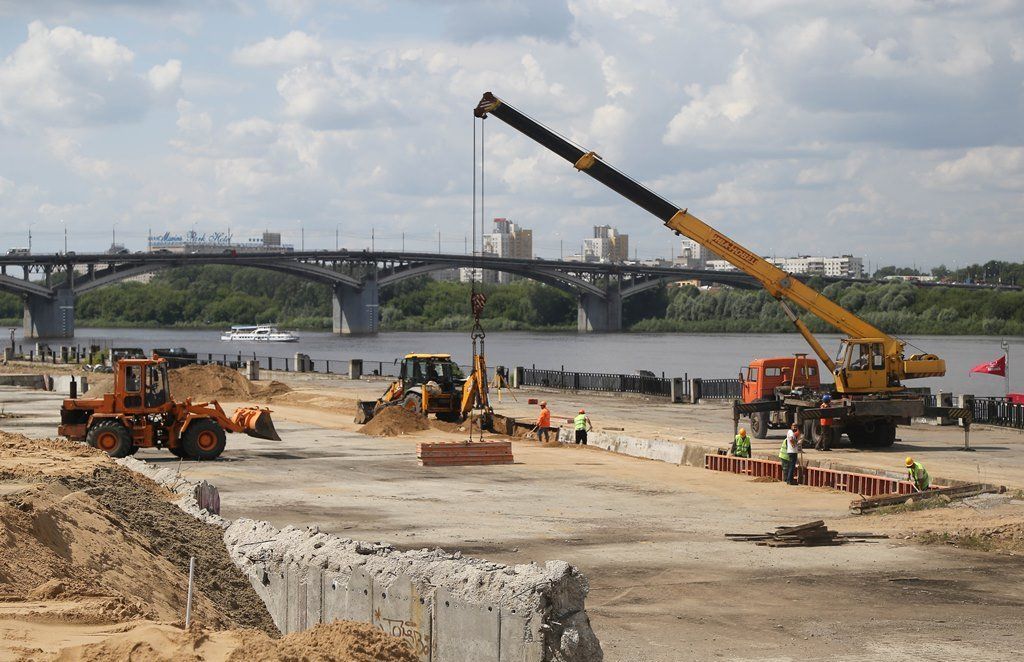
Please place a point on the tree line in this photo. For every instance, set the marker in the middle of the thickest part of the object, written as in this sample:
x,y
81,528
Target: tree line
x,y
217,296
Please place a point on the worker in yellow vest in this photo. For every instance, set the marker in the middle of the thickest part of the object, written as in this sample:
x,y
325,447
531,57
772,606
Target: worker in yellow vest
x,y
741,444
918,475
582,424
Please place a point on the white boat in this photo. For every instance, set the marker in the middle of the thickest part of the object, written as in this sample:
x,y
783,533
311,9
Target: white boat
x,y
259,333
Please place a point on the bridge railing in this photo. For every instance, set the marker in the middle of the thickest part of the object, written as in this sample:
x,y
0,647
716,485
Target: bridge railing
x,y
598,381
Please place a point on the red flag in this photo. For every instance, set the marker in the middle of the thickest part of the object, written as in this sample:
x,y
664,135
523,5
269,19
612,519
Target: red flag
x,y
997,367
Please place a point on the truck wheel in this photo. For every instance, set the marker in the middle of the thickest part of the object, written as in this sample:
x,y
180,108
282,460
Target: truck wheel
x,y
204,440
812,431
413,402
885,434
111,437
759,424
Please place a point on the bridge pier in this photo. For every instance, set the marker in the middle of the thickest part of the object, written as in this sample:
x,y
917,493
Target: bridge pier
x,y
50,317
597,314
356,310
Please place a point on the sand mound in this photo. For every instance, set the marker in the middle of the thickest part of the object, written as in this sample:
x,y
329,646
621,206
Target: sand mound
x,y
344,641
341,641
202,382
75,527
394,421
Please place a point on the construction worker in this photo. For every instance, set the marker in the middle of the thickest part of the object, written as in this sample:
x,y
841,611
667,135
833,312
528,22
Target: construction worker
x,y
543,422
789,452
741,444
918,475
583,425
825,441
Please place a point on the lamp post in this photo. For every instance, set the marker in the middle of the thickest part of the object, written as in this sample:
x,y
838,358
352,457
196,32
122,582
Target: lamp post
x,y
1006,354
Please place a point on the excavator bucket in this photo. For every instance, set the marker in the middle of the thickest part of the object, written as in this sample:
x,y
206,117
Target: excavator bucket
x,y
256,422
365,409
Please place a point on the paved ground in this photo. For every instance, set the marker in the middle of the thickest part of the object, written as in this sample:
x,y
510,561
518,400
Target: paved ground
x,y
665,585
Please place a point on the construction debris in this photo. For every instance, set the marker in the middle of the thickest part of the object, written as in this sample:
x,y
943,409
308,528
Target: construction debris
x,y
864,504
812,534
460,453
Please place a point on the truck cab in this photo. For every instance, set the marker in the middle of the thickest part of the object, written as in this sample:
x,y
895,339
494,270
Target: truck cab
x,y
763,376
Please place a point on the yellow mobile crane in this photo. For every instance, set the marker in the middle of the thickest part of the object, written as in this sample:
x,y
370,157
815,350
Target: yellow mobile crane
x,y
870,366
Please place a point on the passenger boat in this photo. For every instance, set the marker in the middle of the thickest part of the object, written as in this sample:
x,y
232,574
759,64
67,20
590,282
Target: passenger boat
x,y
259,333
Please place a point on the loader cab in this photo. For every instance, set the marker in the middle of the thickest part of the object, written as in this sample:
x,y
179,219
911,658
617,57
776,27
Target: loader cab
x,y
418,369
861,366
141,385
763,376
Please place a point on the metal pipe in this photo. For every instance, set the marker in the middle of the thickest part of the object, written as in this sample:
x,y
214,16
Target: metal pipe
x,y
191,580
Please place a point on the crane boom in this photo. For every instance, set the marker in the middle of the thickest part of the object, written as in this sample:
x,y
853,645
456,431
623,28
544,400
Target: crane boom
x,y
777,282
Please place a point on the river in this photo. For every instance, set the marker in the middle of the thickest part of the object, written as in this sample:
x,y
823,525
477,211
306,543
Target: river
x,y
698,355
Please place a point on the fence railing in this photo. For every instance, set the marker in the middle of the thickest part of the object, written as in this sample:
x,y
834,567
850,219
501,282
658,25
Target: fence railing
x,y
999,411
721,389
600,381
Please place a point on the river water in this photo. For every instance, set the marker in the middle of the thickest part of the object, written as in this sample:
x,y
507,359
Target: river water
x,y
696,355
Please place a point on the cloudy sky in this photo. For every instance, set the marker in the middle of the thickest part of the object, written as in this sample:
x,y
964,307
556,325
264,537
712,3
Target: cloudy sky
x,y
891,129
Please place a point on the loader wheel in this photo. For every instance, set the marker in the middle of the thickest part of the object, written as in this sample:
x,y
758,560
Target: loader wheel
x,y
450,416
204,440
110,437
759,424
177,451
413,402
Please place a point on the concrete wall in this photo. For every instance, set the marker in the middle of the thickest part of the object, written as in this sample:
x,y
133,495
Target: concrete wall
x,y
449,608
25,381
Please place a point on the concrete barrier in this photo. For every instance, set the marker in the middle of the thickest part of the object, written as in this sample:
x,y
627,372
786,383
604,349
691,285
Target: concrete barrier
x,y
62,384
25,381
449,608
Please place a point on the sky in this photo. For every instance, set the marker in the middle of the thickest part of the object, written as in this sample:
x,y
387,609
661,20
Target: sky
x,y
892,130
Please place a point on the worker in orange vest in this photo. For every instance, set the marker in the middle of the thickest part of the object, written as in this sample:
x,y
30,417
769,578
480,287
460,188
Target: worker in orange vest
x,y
543,422
825,441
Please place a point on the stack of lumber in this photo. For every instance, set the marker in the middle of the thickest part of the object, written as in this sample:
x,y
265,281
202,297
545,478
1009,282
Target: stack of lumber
x,y
866,504
812,534
463,453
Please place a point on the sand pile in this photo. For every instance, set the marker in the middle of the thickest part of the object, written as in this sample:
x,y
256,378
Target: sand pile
x,y
84,540
393,422
203,382
340,641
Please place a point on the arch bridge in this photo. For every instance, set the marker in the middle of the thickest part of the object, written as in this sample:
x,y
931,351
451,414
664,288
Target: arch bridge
x,y
50,284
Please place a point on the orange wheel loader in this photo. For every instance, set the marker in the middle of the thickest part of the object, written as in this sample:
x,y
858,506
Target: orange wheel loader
x,y
141,414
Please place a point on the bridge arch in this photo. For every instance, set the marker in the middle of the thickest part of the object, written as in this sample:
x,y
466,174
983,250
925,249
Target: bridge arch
x,y
547,276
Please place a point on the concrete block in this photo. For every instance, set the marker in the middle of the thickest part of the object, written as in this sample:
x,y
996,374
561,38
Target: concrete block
x,y
520,638
401,611
355,369
295,590
25,381
465,631
314,596
347,597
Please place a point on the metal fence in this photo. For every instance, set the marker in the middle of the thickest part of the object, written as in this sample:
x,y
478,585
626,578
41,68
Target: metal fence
x,y
721,389
600,381
999,411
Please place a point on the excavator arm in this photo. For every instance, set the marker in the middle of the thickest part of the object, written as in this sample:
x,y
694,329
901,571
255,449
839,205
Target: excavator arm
x,y
777,282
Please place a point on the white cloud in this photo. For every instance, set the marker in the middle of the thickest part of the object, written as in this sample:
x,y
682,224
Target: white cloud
x,y
64,77
720,109
982,168
293,48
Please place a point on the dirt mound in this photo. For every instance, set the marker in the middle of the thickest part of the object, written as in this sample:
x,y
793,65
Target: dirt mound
x,y
393,422
143,507
1001,538
99,383
208,382
341,641
21,457
75,528
344,641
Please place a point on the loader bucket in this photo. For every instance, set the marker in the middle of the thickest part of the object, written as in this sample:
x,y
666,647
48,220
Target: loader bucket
x,y
365,409
256,422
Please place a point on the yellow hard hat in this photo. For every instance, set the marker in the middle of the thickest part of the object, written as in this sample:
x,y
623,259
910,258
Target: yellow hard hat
x,y
743,432
910,461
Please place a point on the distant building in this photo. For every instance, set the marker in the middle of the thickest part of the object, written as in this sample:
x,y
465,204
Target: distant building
x,y
217,242
507,240
693,255
842,266
607,245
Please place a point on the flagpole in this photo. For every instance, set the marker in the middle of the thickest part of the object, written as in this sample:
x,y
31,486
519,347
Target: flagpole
x,y
1006,355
